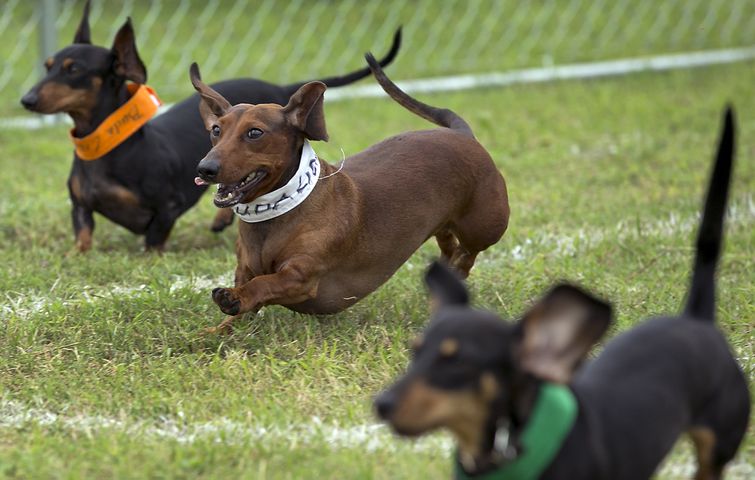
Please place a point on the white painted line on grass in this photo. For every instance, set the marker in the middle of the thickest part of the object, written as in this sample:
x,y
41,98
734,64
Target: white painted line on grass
x,y
26,304
369,437
556,72
500,79
741,212
365,437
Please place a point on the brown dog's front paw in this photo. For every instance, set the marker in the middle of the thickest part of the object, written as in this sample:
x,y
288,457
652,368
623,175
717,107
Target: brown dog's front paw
x,y
226,300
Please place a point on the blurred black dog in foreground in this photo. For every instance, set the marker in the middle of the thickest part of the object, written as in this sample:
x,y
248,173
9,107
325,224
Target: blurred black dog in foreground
x,y
519,406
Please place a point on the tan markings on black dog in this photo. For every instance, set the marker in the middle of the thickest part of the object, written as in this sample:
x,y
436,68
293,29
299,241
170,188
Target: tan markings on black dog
x,y
449,347
75,184
489,386
57,97
49,63
423,408
417,343
704,440
123,196
67,62
84,239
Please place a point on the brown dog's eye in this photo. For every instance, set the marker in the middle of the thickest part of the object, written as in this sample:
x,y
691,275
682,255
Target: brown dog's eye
x,y
254,133
215,130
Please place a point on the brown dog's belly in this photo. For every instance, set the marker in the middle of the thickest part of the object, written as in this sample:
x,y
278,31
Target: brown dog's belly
x,y
339,291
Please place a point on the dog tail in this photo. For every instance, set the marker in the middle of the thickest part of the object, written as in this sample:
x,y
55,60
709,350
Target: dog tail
x,y
340,81
701,297
439,116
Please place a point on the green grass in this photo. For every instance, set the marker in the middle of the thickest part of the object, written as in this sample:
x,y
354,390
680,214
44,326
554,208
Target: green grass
x,y
615,165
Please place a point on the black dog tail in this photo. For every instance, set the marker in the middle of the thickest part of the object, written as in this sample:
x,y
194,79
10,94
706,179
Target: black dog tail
x,y
702,292
340,81
439,116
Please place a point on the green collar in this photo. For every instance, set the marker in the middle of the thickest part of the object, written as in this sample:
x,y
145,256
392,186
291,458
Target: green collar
x,y
551,421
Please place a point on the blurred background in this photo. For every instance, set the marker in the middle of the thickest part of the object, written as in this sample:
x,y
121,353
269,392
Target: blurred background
x,y
287,40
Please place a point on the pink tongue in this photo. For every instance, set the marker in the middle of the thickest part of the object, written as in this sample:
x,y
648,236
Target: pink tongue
x,y
199,181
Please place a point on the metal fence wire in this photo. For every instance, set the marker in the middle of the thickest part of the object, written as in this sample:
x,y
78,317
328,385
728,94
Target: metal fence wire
x,y
287,40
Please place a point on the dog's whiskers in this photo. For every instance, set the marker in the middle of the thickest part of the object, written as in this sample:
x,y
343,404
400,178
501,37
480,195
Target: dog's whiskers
x,y
343,162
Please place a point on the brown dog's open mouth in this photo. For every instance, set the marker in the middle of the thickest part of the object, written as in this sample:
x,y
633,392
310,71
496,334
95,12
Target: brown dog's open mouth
x,y
231,194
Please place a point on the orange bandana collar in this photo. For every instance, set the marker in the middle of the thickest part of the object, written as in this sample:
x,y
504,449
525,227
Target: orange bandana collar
x,y
120,124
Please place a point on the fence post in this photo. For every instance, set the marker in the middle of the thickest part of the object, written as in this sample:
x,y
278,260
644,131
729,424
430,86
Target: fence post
x,y
47,33
48,40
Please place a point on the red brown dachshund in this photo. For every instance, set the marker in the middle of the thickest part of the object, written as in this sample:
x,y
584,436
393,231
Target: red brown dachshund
x,y
146,182
316,238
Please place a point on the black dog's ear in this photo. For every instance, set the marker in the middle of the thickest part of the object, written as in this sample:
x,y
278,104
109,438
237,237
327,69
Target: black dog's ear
x,y
82,33
127,61
213,104
446,288
305,110
558,332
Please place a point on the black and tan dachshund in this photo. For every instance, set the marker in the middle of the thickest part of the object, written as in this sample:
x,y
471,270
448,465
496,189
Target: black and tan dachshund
x,y
146,182
517,400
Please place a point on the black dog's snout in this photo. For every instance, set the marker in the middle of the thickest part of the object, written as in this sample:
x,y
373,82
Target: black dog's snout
x,y
385,403
208,168
29,100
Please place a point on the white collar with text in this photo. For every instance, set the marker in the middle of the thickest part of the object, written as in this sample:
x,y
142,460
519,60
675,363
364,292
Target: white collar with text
x,y
289,196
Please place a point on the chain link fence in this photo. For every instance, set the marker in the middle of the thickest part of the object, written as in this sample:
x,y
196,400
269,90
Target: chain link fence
x,y
288,40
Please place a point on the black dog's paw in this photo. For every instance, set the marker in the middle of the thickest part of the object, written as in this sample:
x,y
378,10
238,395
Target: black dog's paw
x,y
222,220
227,302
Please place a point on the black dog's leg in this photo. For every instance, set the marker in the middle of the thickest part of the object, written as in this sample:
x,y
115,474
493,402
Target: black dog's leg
x,y
83,225
159,229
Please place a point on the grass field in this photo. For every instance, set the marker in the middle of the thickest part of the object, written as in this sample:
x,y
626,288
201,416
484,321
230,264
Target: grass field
x,y
103,372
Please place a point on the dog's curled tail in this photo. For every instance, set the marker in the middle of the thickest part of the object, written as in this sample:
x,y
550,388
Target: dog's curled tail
x,y
701,296
439,116
341,80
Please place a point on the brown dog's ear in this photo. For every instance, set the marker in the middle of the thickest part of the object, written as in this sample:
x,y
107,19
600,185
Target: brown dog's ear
x,y
212,104
559,331
127,61
446,288
82,33
305,111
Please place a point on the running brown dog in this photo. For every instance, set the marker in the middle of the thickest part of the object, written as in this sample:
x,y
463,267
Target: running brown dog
x,y
320,246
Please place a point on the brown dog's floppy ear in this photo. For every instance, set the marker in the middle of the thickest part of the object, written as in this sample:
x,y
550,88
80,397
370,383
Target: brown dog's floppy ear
x,y
82,34
305,110
127,61
559,330
212,104
446,288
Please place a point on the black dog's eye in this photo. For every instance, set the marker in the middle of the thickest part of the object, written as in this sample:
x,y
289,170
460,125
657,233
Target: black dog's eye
x,y
254,133
215,131
73,68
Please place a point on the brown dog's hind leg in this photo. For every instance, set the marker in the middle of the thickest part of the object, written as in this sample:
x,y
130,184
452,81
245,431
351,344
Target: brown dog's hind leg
x,y
454,253
447,243
223,219
463,261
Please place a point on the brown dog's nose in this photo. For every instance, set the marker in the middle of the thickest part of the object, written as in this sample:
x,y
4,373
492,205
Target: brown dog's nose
x,y
385,404
208,168
29,100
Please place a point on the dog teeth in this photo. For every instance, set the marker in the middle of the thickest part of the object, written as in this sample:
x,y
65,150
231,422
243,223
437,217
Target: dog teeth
x,y
248,178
